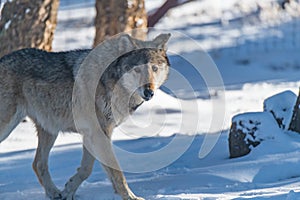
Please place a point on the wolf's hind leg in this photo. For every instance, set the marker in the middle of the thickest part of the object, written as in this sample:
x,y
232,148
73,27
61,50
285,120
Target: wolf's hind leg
x,y
83,173
40,163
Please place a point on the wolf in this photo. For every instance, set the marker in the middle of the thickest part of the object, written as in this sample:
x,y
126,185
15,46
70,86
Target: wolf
x,y
40,85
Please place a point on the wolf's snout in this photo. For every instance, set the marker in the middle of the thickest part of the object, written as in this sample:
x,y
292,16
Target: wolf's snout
x,y
148,94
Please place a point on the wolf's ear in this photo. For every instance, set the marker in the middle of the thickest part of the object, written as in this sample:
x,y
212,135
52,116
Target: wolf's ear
x,y
126,43
161,40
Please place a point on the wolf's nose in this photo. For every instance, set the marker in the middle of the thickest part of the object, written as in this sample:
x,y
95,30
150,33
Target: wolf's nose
x,y
148,93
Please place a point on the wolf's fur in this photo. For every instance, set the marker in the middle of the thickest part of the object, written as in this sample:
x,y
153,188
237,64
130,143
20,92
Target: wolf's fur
x,y
40,85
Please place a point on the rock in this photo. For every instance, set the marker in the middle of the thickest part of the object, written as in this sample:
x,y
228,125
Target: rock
x,y
248,130
281,106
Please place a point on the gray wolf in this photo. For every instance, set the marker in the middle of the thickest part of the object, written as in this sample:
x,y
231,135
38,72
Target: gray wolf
x,y
40,85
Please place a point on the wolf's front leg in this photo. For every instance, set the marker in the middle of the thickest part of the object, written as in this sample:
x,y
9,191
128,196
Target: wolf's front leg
x,y
99,145
119,183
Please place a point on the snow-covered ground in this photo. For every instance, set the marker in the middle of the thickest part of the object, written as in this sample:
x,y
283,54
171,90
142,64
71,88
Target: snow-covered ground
x,y
255,54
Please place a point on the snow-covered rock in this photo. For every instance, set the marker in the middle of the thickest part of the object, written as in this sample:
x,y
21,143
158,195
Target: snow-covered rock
x,y
248,130
281,106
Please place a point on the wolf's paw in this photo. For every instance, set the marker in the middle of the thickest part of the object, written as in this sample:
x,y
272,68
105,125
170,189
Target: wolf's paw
x,y
57,197
68,196
54,194
138,198
61,196
133,197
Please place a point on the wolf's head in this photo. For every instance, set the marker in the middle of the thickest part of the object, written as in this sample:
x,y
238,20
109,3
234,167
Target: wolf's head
x,y
143,71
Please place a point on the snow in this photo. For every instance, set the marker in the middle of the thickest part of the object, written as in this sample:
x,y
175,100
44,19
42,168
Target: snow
x,y
227,59
262,124
7,24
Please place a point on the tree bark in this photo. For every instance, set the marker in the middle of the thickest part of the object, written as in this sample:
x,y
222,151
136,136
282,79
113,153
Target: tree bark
x,y
295,121
116,16
27,23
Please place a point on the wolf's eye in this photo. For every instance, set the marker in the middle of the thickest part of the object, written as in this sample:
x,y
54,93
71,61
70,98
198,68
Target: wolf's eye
x,y
137,70
154,68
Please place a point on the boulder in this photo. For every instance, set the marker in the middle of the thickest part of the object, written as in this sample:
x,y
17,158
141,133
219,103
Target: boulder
x,y
281,106
248,130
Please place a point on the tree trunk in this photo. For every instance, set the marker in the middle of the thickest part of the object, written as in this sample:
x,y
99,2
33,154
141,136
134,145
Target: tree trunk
x,y
27,23
116,16
295,121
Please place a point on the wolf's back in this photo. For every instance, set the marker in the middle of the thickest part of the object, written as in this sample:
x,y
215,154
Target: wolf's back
x,y
41,65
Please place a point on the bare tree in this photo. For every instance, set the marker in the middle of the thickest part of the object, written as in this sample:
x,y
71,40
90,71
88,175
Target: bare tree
x,y
161,11
116,16
27,23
